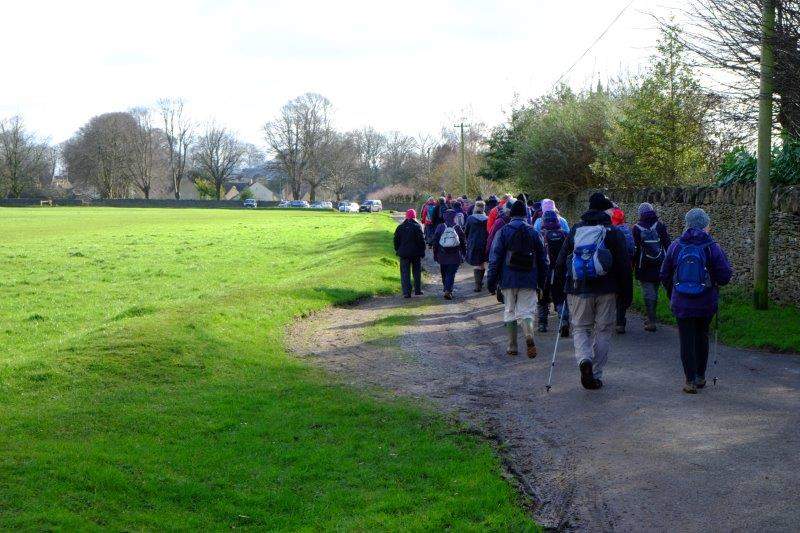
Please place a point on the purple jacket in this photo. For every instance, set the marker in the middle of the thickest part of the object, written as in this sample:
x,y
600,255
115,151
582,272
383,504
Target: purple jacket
x,y
704,305
442,255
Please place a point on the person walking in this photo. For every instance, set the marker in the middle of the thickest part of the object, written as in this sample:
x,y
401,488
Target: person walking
x,y
651,238
618,221
459,209
449,247
409,245
594,267
550,205
427,214
694,268
518,262
498,209
477,235
553,236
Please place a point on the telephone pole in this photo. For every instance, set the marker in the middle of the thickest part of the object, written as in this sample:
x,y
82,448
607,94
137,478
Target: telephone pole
x,y
763,188
463,156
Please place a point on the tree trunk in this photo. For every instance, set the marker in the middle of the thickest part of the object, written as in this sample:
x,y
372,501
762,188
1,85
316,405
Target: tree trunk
x,y
312,194
219,189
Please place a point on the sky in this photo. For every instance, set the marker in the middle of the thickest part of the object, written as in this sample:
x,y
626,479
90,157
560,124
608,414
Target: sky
x,y
412,66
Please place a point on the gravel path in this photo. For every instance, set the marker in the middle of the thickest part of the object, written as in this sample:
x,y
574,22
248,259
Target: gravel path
x,y
639,455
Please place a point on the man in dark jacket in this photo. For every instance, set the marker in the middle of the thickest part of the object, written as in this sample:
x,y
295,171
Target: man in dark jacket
x,y
594,267
518,262
409,244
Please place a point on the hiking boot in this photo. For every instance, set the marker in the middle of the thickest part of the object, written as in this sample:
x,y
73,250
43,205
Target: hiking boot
x,y
700,383
406,296
500,298
511,330
596,384
418,293
527,330
620,330
650,326
448,295
531,345
564,331
587,376
478,275
690,388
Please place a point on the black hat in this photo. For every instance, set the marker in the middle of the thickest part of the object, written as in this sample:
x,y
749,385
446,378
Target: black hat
x,y
599,202
518,209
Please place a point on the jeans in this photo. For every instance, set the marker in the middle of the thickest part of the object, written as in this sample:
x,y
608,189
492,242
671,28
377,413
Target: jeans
x,y
694,346
592,322
448,276
407,266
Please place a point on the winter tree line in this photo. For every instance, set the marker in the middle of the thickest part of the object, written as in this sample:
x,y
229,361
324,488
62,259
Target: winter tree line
x,y
159,151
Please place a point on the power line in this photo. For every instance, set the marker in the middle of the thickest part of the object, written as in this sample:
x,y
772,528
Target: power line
x,y
605,31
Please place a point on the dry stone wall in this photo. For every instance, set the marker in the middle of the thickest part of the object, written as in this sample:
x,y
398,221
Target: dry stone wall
x,y
732,215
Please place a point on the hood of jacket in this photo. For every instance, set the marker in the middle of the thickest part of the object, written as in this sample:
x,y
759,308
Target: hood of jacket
x,y
695,236
480,216
596,218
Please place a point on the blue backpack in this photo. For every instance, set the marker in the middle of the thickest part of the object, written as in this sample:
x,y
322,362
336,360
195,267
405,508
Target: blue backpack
x,y
590,258
691,276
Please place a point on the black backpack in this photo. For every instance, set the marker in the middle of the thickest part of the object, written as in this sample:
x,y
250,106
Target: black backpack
x,y
521,255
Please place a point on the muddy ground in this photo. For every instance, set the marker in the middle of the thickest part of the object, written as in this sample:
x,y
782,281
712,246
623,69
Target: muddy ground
x,y
638,455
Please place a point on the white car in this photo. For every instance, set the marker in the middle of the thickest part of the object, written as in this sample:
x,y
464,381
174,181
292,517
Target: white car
x,y
348,207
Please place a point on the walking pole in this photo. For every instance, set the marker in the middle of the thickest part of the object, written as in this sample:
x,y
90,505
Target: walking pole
x,y
716,341
555,350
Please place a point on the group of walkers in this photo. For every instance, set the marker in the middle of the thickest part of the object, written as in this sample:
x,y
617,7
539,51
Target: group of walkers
x,y
530,258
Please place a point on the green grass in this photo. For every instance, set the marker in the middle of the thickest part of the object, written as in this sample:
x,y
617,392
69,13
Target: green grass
x,y
776,329
144,382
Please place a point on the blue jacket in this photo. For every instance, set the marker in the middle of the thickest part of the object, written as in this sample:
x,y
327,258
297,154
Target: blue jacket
x,y
514,279
703,305
561,220
477,235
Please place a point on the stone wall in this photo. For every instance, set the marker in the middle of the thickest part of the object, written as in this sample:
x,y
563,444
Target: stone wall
x,y
732,212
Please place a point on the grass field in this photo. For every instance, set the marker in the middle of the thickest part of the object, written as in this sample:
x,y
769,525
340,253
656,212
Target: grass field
x,y
144,384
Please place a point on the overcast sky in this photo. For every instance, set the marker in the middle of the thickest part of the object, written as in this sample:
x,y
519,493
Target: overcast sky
x,y
413,66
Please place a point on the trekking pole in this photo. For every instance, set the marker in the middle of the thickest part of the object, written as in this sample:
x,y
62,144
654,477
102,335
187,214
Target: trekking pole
x,y
555,350
716,341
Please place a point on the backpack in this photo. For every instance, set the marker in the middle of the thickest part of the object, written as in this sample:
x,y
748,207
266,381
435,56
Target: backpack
x,y
590,258
449,238
691,276
651,252
630,244
521,254
553,241
431,213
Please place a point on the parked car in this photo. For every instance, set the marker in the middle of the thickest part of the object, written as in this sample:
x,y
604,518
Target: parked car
x,y
250,203
322,205
348,207
299,204
371,206
284,204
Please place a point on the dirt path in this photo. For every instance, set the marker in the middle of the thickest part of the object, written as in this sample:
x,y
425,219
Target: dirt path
x,y
638,455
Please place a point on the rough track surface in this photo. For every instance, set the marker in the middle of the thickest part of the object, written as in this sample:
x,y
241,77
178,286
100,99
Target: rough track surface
x,y
638,455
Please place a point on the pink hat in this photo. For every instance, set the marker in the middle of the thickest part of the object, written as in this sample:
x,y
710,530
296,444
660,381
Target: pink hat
x,y
411,214
548,205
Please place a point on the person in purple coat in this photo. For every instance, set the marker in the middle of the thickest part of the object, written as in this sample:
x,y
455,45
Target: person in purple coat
x,y
449,257
694,268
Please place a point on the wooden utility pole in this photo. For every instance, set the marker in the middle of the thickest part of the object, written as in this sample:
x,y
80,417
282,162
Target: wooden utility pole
x,y
763,188
463,157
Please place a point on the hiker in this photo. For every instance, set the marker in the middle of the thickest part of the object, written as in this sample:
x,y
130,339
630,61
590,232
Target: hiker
x,y
465,206
502,219
694,268
553,237
459,209
438,214
427,213
449,247
409,245
594,267
550,205
477,235
518,263
652,239
618,221
495,212
471,209
491,203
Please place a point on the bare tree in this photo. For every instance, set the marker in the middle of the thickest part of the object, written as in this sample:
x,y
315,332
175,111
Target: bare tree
x,y
399,158
295,138
144,145
370,145
23,157
726,36
178,140
342,165
217,155
96,156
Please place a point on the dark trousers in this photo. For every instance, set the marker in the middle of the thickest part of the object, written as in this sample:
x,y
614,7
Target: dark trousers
x,y
622,320
407,266
694,346
448,276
